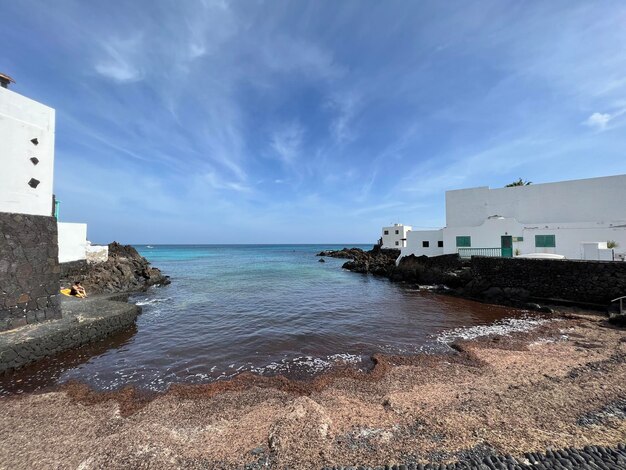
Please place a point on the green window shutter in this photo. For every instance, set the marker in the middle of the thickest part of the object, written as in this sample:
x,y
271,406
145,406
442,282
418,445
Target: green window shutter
x,y
545,241
463,242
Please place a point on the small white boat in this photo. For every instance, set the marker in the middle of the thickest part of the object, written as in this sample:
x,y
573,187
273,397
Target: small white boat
x,y
541,256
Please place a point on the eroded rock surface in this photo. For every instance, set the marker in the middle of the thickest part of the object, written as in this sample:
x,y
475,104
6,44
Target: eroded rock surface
x,y
125,271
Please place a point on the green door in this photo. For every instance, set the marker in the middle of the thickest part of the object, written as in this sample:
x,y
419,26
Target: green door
x,y
506,243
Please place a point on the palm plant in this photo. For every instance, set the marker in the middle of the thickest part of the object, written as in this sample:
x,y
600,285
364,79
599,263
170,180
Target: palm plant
x,y
519,182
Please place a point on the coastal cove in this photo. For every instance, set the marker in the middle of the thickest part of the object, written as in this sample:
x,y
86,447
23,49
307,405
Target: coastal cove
x,y
265,309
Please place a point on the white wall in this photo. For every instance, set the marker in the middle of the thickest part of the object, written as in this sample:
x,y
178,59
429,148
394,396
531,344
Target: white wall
x,y
72,242
486,235
22,119
588,200
415,245
569,238
393,239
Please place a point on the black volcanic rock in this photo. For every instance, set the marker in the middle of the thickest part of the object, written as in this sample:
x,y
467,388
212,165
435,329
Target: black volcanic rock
x,y
378,261
125,271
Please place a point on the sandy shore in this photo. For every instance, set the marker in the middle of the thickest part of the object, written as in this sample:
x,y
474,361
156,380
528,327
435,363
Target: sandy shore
x,y
561,384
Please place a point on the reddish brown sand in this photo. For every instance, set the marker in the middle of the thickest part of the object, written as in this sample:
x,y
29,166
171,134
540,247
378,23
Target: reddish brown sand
x,y
520,393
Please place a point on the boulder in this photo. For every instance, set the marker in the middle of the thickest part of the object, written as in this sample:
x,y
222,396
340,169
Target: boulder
x,y
124,271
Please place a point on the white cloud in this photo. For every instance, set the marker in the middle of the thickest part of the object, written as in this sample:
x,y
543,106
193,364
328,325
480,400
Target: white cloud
x,y
287,142
598,121
291,55
216,181
345,105
120,61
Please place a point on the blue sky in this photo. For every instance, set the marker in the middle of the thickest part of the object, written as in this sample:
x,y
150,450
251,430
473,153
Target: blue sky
x,y
320,121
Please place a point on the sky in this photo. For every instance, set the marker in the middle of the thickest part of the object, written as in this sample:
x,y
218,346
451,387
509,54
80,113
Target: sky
x,y
312,121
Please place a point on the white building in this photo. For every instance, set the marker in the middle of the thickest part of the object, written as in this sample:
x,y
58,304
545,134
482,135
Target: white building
x,y
395,236
576,219
27,157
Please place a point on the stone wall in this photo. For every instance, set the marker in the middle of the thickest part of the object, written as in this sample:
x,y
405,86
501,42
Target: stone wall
x,y
29,270
595,282
84,321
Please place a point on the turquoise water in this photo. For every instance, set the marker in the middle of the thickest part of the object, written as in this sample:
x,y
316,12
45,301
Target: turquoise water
x,y
262,308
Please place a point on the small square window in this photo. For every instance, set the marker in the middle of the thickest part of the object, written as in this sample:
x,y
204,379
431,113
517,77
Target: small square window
x,y
386,232
35,141
440,243
397,243
33,183
34,160
425,244
397,232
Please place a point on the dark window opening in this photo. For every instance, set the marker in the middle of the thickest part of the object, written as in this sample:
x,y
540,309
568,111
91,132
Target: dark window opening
x,y
35,160
464,241
35,141
440,243
425,244
397,232
386,232
397,243
33,183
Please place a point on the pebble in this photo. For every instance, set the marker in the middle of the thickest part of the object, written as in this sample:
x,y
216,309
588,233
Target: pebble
x,y
587,458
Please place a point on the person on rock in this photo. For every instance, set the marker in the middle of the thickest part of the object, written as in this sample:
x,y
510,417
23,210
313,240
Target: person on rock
x,y
77,290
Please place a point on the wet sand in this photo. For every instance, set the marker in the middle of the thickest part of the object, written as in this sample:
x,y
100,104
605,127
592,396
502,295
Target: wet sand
x,y
562,384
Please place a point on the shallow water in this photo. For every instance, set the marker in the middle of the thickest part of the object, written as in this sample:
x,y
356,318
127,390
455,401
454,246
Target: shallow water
x,y
267,309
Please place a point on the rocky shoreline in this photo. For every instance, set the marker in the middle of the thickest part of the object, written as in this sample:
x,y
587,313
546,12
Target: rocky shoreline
x,y
523,283
124,271
560,385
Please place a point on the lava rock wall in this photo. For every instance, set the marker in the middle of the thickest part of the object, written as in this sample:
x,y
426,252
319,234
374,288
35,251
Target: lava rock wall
x,y
596,282
29,270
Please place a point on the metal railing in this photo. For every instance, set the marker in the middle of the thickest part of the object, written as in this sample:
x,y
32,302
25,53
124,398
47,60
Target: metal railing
x,y
622,311
491,252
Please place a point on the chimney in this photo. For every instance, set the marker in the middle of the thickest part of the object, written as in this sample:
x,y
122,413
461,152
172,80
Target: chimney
x,y
5,80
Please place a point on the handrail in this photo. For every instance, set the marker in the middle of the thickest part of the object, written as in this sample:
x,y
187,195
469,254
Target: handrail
x,y
622,311
489,252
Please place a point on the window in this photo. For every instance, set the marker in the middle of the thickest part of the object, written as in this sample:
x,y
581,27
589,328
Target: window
x,y
386,232
425,244
463,241
545,241
397,232
397,243
440,243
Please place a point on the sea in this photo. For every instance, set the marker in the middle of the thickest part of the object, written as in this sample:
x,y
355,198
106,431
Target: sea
x,y
266,309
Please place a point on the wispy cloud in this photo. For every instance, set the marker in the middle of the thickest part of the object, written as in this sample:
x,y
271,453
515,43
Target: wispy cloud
x,y
119,60
315,112
286,141
345,106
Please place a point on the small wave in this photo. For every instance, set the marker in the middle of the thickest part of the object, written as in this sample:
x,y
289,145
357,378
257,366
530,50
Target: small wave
x,y
501,327
308,364
151,301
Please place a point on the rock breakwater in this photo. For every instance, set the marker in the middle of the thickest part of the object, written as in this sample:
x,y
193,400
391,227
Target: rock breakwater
x,y
124,271
378,261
